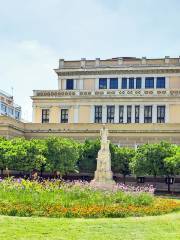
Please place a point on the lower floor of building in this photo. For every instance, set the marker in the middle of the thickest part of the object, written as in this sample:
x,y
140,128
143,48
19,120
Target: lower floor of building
x,y
131,134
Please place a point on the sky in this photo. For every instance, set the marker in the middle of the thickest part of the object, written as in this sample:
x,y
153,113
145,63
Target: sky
x,y
35,34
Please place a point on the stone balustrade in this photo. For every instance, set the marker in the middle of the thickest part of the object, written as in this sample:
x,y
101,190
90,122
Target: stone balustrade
x,y
118,93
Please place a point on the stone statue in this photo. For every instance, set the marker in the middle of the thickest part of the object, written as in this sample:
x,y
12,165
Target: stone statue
x,y
103,173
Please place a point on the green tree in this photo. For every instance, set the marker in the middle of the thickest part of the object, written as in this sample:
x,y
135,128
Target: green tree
x,y
149,159
88,154
4,146
121,158
62,155
172,165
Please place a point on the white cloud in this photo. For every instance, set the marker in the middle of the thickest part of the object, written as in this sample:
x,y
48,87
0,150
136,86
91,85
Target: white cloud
x,y
25,66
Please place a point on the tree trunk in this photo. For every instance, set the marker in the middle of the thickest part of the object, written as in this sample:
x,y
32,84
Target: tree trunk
x,y
2,172
124,178
154,180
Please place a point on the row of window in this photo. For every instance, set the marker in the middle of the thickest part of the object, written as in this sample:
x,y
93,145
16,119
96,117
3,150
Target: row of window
x,y
64,116
9,111
147,114
111,114
130,83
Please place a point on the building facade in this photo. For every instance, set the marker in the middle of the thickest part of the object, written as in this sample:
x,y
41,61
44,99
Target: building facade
x,y
129,93
8,107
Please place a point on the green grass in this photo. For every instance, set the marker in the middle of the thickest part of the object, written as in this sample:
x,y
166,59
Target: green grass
x,y
164,227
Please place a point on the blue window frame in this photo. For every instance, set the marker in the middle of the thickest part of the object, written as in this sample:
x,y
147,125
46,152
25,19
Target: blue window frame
x,y
149,82
160,82
103,83
131,83
113,83
138,83
124,83
69,84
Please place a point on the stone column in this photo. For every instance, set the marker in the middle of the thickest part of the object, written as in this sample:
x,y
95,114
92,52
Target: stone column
x,y
133,114
75,84
96,83
81,84
141,114
119,82
167,82
167,113
125,114
154,113
143,83
92,114
108,83
155,82
104,114
76,113
116,115
59,83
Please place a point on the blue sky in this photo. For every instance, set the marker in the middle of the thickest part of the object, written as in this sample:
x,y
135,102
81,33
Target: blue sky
x,y
35,34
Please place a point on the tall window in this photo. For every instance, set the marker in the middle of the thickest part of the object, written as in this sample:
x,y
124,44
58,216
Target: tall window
x,y
160,82
64,115
129,111
149,82
124,83
137,111
69,84
45,115
147,114
131,83
110,114
98,114
103,83
17,114
161,114
138,83
113,83
121,114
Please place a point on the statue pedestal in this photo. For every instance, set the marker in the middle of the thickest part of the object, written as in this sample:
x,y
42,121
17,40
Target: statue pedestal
x,y
103,177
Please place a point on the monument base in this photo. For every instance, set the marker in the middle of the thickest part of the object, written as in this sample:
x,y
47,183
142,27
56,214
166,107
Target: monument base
x,y
103,184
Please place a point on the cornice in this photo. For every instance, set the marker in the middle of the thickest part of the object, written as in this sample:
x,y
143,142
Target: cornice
x,y
118,71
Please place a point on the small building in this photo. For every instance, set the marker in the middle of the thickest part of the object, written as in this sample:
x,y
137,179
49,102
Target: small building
x,y
8,107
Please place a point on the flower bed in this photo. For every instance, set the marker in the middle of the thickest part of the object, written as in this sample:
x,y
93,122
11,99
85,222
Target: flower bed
x,y
79,199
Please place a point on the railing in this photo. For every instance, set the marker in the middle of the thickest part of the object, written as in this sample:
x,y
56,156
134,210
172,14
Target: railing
x,y
121,92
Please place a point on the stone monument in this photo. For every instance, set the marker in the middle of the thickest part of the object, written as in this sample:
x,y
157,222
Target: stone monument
x,y
103,173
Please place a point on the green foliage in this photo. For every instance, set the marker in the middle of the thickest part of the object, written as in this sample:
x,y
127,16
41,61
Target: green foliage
x,y
149,158
172,164
88,154
62,155
121,158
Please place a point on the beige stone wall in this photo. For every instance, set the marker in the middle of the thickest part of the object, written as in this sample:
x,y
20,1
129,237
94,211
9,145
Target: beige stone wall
x,y
37,114
174,82
174,113
71,115
54,114
89,84
84,114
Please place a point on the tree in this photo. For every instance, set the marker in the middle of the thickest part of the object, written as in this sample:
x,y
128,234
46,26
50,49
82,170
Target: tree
x,y
121,158
16,153
172,165
88,154
149,159
4,145
62,155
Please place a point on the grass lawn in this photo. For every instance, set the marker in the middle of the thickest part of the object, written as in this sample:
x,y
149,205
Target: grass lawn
x,y
143,228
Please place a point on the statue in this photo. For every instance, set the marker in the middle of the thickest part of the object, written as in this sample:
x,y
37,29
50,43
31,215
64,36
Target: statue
x,y
103,173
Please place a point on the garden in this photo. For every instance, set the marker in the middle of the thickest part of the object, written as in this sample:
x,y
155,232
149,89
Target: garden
x,y
34,207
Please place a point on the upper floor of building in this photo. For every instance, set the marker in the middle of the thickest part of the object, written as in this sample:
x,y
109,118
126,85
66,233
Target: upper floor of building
x,y
8,107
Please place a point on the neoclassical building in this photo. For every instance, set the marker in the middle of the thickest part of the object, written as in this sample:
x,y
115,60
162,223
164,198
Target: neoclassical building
x,y
138,99
8,106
